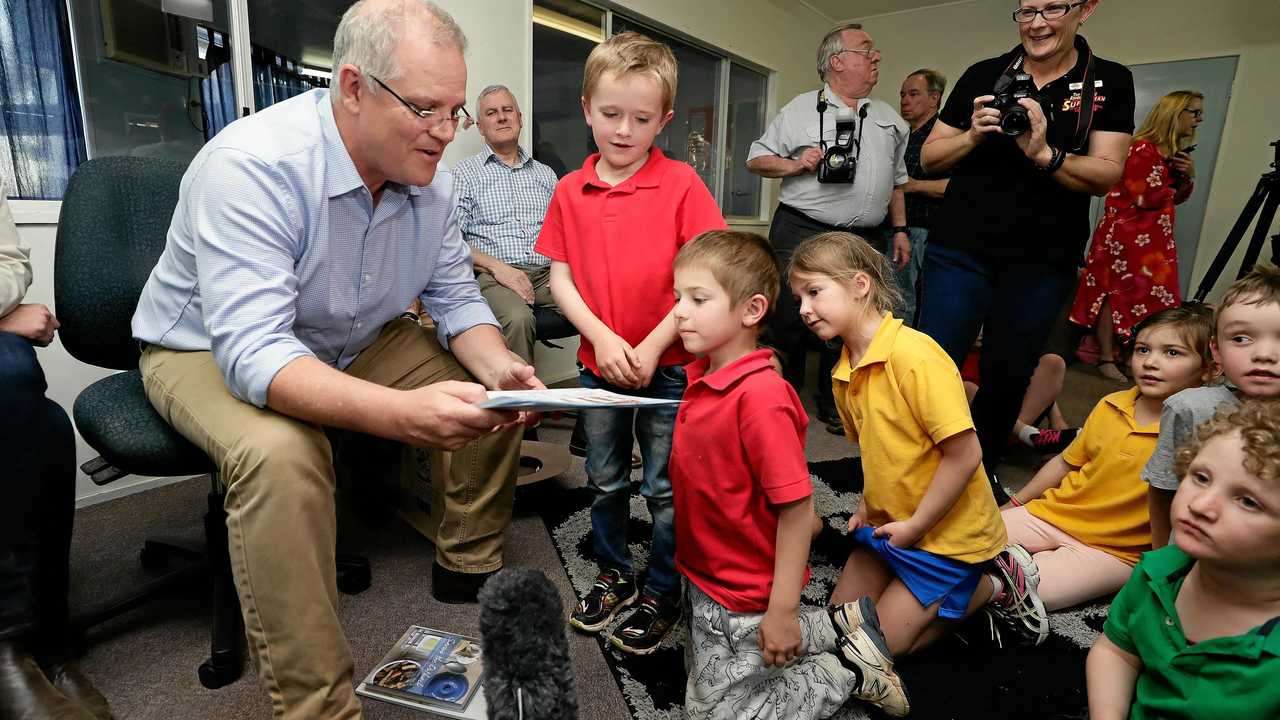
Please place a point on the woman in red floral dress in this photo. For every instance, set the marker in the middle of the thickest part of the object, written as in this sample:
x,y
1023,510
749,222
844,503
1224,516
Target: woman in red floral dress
x,y
1132,268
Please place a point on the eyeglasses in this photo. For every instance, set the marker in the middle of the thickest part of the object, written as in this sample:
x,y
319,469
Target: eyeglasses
x,y
1197,114
868,52
1049,12
435,119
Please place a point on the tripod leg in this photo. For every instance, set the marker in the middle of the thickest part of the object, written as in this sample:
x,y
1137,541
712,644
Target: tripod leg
x,y
1233,240
1260,233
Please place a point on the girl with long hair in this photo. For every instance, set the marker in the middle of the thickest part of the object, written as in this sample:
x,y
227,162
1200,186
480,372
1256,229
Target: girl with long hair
x,y
1132,267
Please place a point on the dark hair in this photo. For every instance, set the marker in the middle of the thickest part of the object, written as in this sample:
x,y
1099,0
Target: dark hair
x,y
1193,322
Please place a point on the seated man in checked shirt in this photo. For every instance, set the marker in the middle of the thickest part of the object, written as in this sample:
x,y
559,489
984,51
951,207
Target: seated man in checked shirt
x,y
503,195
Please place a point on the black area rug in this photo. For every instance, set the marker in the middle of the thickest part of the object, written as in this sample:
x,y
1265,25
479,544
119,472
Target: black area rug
x,y
967,675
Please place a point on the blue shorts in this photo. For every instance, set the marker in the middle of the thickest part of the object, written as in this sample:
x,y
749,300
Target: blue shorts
x,y
929,577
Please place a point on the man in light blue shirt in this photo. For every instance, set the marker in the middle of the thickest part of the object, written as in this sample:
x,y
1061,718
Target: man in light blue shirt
x,y
275,312
503,196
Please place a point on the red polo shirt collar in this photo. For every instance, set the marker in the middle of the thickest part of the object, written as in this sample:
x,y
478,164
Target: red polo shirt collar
x,y
649,175
726,376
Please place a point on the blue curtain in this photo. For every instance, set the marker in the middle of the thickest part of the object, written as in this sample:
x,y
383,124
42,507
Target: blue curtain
x,y
41,136
275,78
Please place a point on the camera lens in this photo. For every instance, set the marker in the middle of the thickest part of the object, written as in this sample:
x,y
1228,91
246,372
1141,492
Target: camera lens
x,y
1015,121
835,161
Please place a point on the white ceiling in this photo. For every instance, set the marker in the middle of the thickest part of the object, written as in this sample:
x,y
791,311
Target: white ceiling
x,y
838,10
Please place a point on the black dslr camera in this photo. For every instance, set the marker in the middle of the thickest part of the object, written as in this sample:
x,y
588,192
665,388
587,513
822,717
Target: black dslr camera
x,y
1014,119
838,160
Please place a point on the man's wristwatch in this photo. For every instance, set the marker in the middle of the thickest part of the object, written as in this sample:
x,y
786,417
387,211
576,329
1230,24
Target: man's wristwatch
x,y
900,229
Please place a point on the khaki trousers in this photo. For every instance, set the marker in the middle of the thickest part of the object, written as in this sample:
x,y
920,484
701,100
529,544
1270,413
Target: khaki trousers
x,y
513,313
281,516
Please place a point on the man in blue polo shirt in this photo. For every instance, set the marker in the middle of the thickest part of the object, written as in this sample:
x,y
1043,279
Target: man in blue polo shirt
x,y
276,312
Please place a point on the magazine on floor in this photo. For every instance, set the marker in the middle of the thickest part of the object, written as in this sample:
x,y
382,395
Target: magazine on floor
x,y
431,670
566,399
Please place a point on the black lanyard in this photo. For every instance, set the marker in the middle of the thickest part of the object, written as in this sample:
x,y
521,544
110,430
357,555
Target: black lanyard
x,y
1084,120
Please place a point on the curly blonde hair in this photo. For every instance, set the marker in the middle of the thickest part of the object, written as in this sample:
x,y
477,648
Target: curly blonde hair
x,y
1257,422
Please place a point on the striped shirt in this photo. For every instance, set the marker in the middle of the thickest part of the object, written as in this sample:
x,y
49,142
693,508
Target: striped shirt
x,y
276,251
500,208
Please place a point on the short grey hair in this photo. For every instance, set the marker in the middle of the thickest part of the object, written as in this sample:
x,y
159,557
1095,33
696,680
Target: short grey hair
x,y
495,88
832,43
934,80
370,31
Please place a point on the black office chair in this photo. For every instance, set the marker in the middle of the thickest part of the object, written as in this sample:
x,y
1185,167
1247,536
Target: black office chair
x,y
111,230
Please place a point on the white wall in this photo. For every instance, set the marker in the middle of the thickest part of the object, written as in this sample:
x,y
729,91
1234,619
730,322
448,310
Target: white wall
x,y
952,37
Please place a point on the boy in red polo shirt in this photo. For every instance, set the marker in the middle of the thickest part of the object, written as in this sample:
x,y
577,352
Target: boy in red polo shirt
x,y
612,231
744,508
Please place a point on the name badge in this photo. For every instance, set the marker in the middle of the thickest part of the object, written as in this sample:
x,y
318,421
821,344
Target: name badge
x,y
1080,85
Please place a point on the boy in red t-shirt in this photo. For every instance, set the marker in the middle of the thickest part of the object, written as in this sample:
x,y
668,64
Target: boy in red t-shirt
x,y
612,231
744,508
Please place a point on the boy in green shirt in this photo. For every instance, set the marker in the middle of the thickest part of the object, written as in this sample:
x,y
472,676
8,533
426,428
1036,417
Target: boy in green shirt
x,y
1193,634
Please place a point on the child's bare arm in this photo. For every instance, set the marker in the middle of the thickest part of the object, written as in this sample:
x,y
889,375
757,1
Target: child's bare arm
x,y
1110,674
654,344
617,360
1160,506
779,634
1050,476
961,455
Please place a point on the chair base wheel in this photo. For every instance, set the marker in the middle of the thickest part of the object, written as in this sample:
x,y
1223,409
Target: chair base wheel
x,y
219,670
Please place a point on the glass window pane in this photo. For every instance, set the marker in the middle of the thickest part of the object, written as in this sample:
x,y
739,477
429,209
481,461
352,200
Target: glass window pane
x,y
746,124
691,134
40,138
287,37
147,77
564,33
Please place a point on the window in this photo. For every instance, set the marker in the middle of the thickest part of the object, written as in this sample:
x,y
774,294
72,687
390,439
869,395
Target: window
x,y
719,104
563,35
41,142
145,76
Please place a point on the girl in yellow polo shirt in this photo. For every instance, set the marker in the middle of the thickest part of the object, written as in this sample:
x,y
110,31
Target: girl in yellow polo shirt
x,y
1082,522
928,519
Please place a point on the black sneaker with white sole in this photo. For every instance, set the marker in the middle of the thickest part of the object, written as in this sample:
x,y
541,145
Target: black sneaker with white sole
x,y
649,623
611,592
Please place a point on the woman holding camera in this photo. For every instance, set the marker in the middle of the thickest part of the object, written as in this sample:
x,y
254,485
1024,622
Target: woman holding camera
x,y
1132,270
1029,136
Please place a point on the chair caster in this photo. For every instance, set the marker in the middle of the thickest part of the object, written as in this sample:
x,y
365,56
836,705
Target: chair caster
x,y
220,670
354,574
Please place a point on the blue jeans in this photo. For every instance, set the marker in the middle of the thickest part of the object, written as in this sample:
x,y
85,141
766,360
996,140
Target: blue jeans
x,y
609,477
909,276
37,502
1014,303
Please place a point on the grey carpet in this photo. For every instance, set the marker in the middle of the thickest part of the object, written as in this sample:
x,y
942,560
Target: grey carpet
x,y
145,661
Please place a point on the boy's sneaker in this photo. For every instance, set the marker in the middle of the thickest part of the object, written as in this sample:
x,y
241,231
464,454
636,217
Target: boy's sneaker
x,y
864,652
1018,602
649,623
611,592
1052,442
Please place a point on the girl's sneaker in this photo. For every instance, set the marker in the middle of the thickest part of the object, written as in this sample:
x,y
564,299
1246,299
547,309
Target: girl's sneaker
x,y
1018,603
864,652
1052,442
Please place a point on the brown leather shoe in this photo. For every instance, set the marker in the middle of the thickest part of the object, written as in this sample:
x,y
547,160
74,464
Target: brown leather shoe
x,y
71,681
26,694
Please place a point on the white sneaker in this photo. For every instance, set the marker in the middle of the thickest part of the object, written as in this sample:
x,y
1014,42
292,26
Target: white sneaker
x,y
878,684
1019,603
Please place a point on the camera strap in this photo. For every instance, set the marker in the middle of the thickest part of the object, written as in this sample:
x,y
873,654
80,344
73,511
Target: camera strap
x,y
1088,90
822,112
